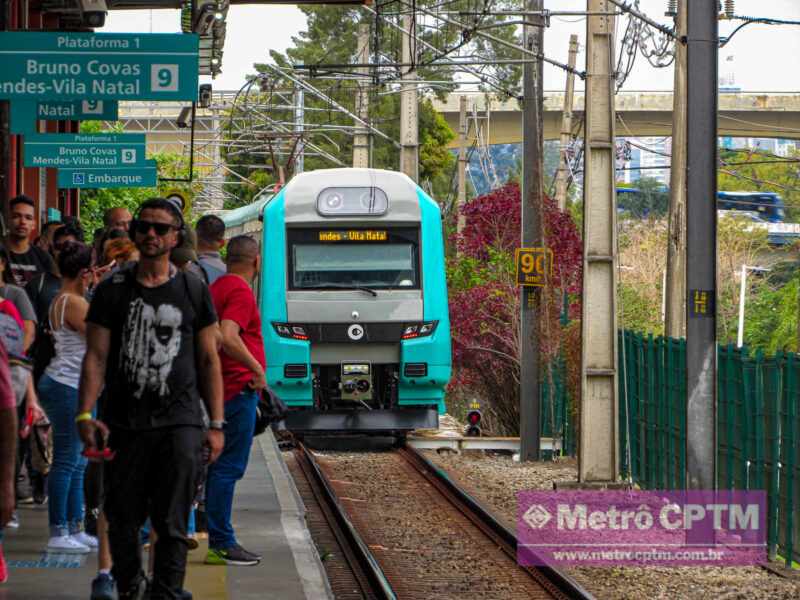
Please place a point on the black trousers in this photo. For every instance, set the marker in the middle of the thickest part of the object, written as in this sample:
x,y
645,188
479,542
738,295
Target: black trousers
x,y
152,474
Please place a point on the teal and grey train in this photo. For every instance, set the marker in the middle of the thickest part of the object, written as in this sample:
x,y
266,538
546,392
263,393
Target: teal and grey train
x,y
353,301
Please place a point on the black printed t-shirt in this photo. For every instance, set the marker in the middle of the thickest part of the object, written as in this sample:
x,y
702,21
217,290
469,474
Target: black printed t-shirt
x,y
28,265
151,373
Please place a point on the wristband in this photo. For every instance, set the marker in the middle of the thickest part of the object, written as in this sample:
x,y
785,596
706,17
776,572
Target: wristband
x,y
84,416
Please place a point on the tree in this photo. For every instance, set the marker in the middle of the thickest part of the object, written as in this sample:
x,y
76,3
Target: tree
x,y
484,302
331,38
652,199
94,202
643,260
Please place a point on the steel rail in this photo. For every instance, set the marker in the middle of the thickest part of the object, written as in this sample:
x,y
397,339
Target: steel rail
x,y
559,584
362,562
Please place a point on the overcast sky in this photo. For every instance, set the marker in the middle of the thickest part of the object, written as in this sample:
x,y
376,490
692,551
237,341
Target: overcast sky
x,y
763,58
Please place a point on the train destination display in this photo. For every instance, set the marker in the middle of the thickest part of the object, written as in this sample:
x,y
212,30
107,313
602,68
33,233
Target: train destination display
x,y
356,235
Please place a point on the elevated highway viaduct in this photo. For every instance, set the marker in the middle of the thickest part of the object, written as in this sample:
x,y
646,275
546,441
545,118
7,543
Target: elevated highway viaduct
x,y
639,114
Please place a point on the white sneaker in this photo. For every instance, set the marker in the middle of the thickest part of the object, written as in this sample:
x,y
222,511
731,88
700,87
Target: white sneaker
x,y
85,539
64,544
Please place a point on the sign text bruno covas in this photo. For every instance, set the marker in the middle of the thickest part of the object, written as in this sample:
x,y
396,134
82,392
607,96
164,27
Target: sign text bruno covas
x,y
84,151
101,66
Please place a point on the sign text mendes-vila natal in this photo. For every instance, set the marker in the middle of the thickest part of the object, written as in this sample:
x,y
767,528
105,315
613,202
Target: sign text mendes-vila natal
x,y
82,151
101,66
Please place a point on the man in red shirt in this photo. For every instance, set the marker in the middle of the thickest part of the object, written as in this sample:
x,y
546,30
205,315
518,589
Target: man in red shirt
x,y
243,365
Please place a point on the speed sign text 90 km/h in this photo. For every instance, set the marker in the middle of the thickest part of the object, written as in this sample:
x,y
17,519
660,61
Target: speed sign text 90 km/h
x,y
534,266
102,66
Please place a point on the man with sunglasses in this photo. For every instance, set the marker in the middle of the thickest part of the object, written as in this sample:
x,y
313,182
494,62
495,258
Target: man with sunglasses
x,y
152,342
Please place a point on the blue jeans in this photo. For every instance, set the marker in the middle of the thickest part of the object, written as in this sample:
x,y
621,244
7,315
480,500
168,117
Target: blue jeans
x,y
65,483
240,415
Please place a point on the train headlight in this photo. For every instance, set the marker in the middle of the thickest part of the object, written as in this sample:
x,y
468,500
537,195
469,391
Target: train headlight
x,y
346,201
417,330
293,332
332,201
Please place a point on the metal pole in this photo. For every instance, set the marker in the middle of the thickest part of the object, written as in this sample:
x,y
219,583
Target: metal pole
x,y
742,288
409,125
532,191
361,139
598,450
675,314
5,6
299,128
462,160
701,246
562,175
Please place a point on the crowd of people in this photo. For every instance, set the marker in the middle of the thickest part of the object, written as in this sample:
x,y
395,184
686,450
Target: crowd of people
x,y
130,373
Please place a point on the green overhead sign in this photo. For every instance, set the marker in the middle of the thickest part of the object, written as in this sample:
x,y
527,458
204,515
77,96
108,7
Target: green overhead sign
x,y
102,66
121,177
25,113
85,151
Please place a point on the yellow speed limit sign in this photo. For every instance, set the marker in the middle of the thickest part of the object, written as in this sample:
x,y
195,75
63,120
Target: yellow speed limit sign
x,y
534,266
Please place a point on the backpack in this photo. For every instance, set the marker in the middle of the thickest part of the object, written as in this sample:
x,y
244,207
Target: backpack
x,y
210,273
43,348
12,338
270,409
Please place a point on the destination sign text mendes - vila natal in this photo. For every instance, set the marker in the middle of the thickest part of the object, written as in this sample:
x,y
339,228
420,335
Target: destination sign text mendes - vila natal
x,y
43,65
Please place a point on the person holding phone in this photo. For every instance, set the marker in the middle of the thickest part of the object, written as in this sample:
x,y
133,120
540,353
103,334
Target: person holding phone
x,y
58,391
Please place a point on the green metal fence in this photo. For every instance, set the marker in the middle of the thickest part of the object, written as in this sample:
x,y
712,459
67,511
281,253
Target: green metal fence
x,y
757,425
556,413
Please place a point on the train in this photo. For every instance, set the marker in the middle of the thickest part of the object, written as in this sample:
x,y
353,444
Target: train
x,y
768,207
353,300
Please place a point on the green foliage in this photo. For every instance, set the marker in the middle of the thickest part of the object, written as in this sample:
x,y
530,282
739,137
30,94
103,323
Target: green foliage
x,y
652,201
95,202
771,317
637,312
331,37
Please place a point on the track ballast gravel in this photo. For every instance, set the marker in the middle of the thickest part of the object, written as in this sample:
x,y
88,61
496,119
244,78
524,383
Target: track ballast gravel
x,y
494,480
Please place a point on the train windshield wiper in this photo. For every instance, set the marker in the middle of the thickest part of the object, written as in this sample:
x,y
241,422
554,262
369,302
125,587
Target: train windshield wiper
x,y
342,286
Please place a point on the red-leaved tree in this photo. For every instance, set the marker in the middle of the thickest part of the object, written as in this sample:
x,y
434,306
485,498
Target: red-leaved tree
x,y
485,301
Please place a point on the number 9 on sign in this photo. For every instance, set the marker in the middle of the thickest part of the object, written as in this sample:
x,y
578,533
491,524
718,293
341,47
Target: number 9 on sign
x,y
164,78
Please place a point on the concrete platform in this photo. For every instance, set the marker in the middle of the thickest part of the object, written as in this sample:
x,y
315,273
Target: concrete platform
x,y
269,518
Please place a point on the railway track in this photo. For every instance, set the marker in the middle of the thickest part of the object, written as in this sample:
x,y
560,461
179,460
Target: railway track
x,y
416,533
352,569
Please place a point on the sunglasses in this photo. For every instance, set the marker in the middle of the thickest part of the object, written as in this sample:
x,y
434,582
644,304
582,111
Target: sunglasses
x,y
143,227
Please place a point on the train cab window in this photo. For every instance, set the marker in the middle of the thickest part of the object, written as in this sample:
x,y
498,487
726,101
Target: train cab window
x,y
335,260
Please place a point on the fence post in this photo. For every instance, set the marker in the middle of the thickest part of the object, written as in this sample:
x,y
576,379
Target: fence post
x,y
682,413
624,407
658,413
746,413
727,405
652,442
759,415
671,458
790,464
775,451
642,408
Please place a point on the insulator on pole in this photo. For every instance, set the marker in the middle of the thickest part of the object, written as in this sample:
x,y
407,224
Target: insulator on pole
x,y
672,8
729,8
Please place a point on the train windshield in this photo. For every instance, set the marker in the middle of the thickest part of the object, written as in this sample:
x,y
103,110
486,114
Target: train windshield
x,y
353,259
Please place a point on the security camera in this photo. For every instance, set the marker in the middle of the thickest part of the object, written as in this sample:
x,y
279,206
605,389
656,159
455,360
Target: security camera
x,y
93,12
184,117
204,96
208,13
